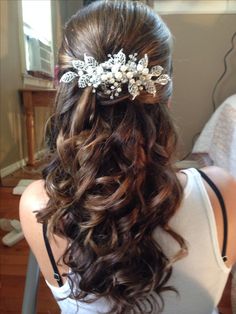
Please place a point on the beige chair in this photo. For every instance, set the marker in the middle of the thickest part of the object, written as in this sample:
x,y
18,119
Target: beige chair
x,y
31,286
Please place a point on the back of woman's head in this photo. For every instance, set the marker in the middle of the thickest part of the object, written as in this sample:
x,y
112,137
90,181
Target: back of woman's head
x,y
111,181
106,27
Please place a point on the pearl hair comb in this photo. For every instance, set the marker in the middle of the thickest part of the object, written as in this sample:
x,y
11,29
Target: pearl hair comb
x,y
116,71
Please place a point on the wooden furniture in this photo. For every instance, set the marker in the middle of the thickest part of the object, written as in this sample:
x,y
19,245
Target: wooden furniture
x,y
32,98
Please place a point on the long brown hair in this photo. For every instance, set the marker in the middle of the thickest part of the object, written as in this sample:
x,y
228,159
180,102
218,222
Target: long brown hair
x,y
111,180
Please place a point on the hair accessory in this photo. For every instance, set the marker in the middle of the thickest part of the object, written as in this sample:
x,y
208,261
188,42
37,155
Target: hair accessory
x,y
114,72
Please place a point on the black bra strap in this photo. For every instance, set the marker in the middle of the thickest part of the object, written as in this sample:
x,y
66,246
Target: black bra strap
x,y
223,209
57,275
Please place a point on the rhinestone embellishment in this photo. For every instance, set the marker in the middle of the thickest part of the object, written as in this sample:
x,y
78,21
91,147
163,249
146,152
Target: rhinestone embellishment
x,y
116,71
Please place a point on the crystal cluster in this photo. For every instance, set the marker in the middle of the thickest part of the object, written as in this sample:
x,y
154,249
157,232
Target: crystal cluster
x,y
116,71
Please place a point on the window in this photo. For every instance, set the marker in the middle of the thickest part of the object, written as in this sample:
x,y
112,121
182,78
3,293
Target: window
x,y
37,33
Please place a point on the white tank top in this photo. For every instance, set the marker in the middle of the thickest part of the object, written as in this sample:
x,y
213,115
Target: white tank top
x,y
199,278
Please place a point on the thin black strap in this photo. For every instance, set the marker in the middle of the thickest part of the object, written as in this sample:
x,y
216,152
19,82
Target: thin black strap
x,y
223,209
57,275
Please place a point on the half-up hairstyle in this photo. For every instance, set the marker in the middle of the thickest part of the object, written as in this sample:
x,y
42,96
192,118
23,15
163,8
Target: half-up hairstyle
x,y
111,180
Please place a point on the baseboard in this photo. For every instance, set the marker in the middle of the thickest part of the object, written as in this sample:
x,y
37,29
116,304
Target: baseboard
x,y
19,164
12,168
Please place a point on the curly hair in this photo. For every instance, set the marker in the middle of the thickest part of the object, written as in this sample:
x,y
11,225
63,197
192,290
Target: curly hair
x,y
111,180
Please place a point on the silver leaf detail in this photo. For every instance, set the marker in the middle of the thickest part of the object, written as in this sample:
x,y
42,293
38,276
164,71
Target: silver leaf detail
x,y
163,79
120,57
90,61
132,66
133,90
144,61
99,70
156,70
68,77
150,87
95,80
78,64
83,81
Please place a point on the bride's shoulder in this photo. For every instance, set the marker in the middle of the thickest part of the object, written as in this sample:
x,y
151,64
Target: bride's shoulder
x,y
33,200
34,197
226,184
222,179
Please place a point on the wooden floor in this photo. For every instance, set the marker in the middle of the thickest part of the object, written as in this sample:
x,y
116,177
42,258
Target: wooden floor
x,y
27,172
13,261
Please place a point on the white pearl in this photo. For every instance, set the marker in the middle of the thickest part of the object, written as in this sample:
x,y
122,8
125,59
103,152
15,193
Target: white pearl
x,y
132,81
109,75
115,84
119,89
112,80
139,67
138,82
145,71
118,75
104,77
123,68
115,68
80,72
129,75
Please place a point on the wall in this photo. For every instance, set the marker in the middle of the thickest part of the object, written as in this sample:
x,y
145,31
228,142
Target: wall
x,y
200,43
11,119
68,8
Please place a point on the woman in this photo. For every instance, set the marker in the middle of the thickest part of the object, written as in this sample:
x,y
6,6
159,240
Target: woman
x,y
123,231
